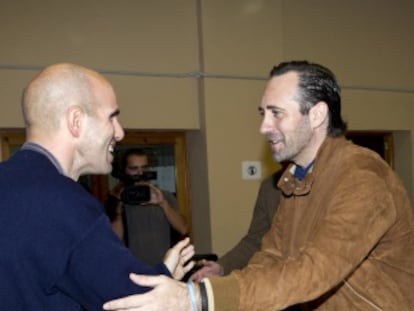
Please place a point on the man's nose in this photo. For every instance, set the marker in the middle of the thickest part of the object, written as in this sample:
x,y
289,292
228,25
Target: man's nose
x,y
140,170
119,131
264,126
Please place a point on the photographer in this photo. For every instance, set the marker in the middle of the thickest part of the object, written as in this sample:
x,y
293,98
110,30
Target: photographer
x,y
143,215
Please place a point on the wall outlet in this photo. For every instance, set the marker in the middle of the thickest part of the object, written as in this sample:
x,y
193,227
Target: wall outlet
x,y
251,170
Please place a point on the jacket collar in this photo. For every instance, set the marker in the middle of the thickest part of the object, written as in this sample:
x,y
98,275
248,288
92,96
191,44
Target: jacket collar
x,y
290,185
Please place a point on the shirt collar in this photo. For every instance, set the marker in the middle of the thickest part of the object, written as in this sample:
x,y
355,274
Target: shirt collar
x,y
37,148
300,172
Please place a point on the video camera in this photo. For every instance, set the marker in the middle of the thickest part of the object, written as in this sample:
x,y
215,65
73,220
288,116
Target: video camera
x,y
134,194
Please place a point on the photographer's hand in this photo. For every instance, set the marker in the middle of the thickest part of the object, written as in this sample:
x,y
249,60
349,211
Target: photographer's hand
x,y
117,190
157,197
113,206
174,217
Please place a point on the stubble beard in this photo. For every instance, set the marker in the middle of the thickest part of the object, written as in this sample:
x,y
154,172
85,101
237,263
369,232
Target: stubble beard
x,y
294,144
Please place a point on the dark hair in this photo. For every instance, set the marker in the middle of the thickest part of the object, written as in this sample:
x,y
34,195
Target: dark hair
x,y
128,153
316,83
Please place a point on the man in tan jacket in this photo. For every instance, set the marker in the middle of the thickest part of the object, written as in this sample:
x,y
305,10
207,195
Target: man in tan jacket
x,y
343,237
267,202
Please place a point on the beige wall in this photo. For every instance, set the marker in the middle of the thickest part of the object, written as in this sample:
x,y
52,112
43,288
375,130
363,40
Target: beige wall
x,y
145,47
153,51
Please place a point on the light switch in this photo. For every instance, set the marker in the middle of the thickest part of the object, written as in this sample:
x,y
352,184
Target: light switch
x,y
251,170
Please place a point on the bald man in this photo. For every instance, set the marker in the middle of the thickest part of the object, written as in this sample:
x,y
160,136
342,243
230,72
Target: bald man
x,y
58,251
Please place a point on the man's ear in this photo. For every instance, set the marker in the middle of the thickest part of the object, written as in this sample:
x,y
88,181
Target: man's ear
x,y
74,118
319,114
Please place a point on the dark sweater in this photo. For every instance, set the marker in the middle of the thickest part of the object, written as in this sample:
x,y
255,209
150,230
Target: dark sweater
x,y
267,202
58,251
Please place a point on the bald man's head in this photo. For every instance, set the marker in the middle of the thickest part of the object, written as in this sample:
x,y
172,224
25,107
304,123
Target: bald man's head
x,y
48,96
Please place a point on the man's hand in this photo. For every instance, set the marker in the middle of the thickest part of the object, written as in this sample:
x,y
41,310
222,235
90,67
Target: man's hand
x,y
209,268
117,190
157,197
177,258
166,295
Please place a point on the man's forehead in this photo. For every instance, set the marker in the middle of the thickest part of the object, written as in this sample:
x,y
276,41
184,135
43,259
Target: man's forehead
x,y
285,83
280,89
133,158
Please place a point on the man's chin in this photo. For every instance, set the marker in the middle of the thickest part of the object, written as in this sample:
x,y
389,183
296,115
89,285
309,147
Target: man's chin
x,y
278,157
102,170
108,169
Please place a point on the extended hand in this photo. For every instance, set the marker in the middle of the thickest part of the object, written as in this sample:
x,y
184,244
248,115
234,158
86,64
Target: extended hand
x,y
177,258
166,295
209,268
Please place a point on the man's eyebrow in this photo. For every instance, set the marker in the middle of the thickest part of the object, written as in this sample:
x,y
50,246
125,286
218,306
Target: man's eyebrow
x,y
273,107
115,113
269,107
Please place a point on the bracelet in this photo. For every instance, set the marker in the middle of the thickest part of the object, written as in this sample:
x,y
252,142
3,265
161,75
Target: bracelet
x,y
193,298
210,294
203,295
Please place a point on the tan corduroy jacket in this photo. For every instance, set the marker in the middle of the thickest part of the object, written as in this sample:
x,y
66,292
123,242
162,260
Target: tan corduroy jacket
x,y
342,239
